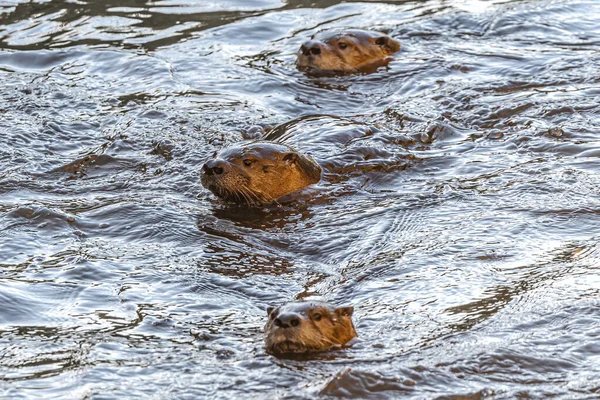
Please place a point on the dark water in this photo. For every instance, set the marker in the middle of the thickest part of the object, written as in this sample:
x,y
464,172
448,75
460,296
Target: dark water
x,y
460,211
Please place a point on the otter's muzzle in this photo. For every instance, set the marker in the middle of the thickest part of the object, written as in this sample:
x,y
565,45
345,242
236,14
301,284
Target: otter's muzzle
x,y
213,167
311,48
290,320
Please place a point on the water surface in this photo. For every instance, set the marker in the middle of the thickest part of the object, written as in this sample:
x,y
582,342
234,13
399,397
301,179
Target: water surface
x,y
459,211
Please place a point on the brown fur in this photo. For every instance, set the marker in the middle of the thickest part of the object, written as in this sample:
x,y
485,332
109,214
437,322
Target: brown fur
x,y
259,172
320,326
347,51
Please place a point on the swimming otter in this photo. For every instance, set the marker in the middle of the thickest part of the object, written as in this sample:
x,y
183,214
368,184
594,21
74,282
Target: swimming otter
x,y
258,172
346,51
307,326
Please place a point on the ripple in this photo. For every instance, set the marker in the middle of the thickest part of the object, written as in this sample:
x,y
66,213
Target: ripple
x,y
458,210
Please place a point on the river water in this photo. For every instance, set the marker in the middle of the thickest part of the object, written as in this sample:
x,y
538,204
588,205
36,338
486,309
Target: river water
x,y
459,212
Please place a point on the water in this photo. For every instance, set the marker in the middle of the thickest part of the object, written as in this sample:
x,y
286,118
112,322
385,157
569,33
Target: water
x,y
459,212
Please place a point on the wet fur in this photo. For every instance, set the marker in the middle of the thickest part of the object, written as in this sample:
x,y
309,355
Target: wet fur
x,y
361,54
334,329
275,171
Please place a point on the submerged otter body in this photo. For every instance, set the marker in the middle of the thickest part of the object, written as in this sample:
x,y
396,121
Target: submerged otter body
x,y
258,172
308,326
346,51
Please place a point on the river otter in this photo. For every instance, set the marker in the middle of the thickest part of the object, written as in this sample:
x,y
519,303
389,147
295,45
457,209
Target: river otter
x,y
258,172
307,326
346,51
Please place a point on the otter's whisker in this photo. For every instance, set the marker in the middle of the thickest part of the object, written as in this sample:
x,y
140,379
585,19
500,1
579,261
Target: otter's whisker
x,y
248,194
241,193
259,199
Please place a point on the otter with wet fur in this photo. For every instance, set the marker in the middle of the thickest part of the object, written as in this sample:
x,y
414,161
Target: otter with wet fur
x,y
308,326
346,51
258,173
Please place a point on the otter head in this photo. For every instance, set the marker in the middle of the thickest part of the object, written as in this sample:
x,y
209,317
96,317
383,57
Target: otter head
x,y
306,326
258,172
346,51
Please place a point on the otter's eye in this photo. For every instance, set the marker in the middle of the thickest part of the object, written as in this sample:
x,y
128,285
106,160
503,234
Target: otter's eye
x,y
381,41
317,317
342,45
247,162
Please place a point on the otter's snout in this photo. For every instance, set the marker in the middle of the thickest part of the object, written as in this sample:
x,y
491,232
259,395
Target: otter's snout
x,y
213,167
289,320
311,48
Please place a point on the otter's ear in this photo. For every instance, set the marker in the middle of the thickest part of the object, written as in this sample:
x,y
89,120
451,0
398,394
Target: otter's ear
x,y
270,310
290,157
345,311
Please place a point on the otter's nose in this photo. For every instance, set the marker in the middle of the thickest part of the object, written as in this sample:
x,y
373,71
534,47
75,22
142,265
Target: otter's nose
x,y
213,167
287,320
310,47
